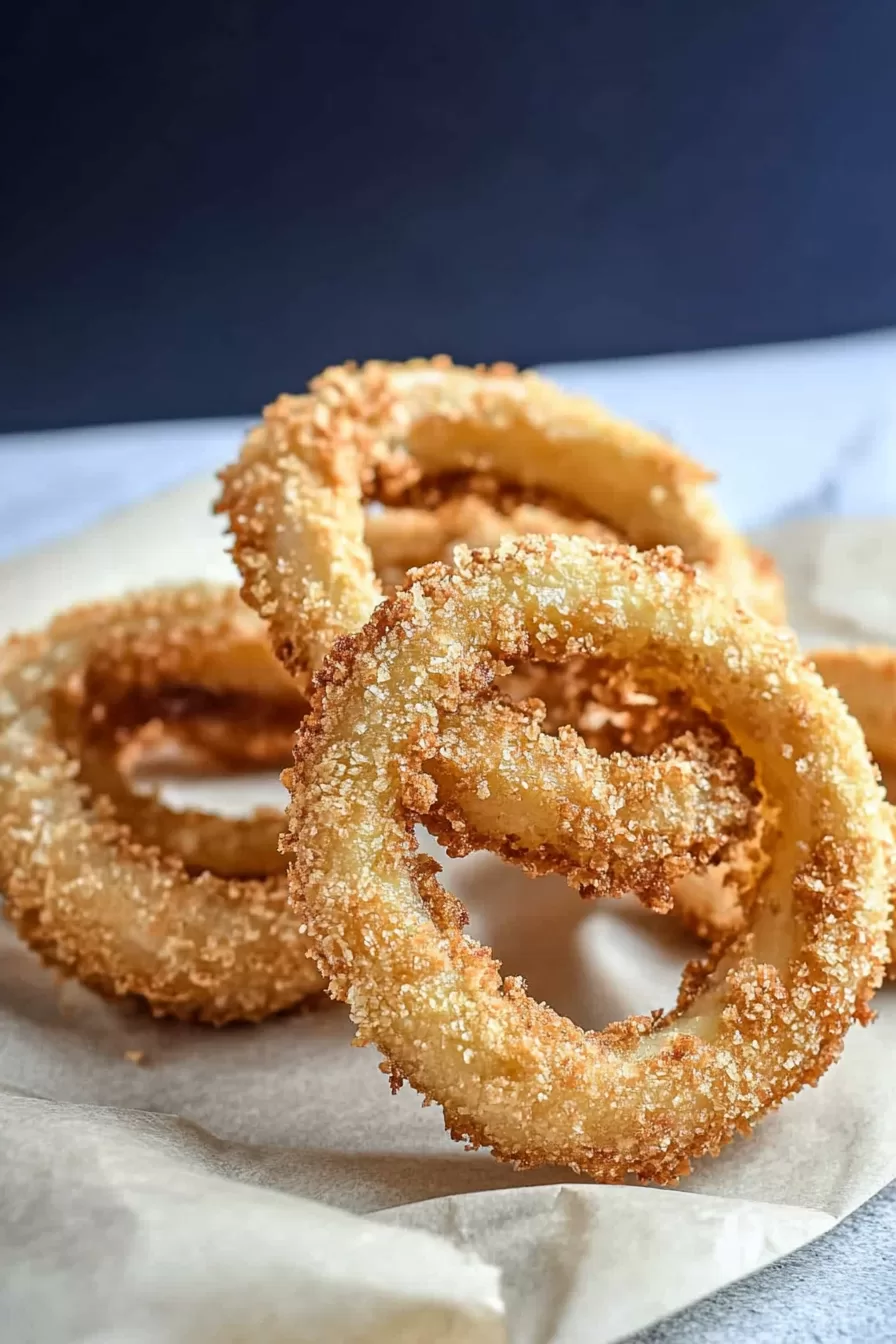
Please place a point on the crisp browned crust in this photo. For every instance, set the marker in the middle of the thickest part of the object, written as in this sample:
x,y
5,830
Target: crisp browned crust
x,y
295,497
184,926
114,739
611,824
124,917
546,804
425,522
485,444
760,1019
618,708
866,678
474,452
232,847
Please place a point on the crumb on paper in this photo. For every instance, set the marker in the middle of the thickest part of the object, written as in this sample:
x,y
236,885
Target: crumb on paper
x,y
135,1056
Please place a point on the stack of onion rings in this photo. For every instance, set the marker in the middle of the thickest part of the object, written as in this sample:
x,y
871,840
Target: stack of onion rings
x,y
188,910
762,1017
661,697
468,452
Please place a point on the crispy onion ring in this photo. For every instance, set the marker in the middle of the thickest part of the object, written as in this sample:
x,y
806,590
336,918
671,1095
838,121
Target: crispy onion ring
x,y
472,453
134,897
80,889
694,799
611,824
754,1023
295,501
618,708
295,498
865,676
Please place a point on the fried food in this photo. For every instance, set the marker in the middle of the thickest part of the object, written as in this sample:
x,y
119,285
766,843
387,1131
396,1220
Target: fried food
x,y
619,707
391,432
697,795
425,523
130,915
612,824
110,754
866,678
761,1017
188,909
472,453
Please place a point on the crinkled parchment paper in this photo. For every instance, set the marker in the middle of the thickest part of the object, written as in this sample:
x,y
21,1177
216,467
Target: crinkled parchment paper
x,y
167,1183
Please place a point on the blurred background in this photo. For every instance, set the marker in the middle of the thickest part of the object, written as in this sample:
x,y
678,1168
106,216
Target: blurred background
x,y
208,202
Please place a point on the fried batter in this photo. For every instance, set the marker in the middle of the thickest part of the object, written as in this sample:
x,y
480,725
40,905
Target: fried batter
x,y
759,1019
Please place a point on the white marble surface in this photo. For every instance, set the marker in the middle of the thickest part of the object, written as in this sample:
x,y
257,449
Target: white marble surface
x,y
791,430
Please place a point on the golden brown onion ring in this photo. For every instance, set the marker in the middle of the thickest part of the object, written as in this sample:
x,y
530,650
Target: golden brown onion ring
x,y
114,740
611,823
134,897
758,1020
623,708
123,917
295,498
295,501
693,795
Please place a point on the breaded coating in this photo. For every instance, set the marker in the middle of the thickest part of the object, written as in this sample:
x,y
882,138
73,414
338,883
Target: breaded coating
x,y
756,1021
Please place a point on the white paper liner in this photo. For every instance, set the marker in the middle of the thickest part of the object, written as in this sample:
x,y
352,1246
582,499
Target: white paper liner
x,y
168,1199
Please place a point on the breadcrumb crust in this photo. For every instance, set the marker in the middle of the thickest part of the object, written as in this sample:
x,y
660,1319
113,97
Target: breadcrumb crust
x,y
755,1021
295,497
125,917
865,676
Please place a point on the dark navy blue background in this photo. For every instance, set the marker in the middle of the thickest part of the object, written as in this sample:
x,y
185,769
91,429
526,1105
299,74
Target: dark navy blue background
x,y
206,202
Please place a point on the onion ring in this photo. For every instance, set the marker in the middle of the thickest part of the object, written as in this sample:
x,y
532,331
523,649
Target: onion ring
x,y
865,676
754,1023
80,890
616,708
295,497
694,800
229,847
443,437
473,507
611,824
134,897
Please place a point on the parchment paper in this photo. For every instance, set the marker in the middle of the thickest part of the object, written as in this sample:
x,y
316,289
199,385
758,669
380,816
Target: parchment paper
x,y
157,1179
